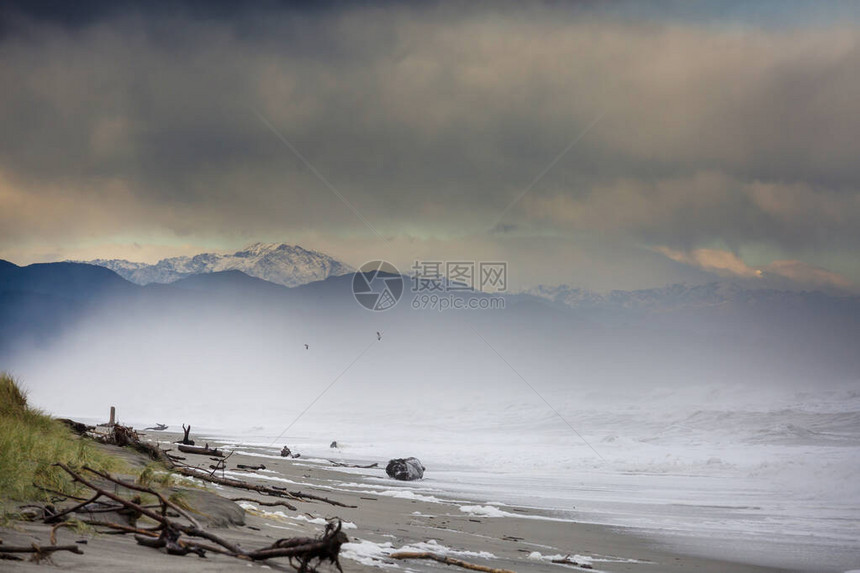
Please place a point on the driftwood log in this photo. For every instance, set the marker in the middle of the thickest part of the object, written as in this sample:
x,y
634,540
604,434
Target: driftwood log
x,y
165,503
119,436
568,560
185,439
343,465
247,467
273,491
160,518
158,427
446,560
201,450
39,551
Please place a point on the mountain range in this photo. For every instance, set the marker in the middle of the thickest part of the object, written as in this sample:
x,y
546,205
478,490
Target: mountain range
x,y
678,331
670,297
287,265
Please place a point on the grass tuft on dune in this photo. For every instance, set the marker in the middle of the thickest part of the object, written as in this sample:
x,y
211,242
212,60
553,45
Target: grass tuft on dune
x,y
31,442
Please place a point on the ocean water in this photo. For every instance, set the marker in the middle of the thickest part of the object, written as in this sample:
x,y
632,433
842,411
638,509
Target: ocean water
x,y
769,478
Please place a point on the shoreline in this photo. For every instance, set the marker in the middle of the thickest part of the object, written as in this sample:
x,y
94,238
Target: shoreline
x,y
389,516
800,553
761,505
551,532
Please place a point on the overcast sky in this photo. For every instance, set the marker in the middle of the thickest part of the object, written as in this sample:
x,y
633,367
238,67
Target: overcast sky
x,y
602,145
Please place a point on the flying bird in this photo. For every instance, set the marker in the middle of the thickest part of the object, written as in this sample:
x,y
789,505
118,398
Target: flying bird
x,y
306,347
378,335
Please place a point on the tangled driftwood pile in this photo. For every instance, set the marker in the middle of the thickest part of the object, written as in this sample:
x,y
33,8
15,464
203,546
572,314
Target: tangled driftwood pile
x,y
176,531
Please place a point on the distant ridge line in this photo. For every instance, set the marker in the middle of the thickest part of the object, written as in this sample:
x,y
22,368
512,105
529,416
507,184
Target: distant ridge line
x,y
279,263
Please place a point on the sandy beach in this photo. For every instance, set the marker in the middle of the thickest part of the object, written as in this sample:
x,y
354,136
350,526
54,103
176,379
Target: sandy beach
x,y
596,264
389,516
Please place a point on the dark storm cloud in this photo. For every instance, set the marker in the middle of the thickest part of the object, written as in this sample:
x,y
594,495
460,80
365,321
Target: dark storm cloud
x,y
430,120
87,12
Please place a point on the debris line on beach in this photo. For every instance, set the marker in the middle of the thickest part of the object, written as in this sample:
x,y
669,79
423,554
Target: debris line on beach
x,y
178,537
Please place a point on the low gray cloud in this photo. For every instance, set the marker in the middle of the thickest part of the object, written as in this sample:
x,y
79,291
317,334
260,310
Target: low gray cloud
x,y
707,207
431,121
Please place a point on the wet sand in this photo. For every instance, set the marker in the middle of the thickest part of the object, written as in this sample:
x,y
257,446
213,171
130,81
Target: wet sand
x,y
390,516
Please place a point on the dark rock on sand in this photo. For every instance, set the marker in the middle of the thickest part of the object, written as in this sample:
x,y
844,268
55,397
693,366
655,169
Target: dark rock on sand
x,y
407,469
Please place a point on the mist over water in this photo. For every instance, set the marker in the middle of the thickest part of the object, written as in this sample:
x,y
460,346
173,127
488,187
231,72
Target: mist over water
x,y
675,430
697,153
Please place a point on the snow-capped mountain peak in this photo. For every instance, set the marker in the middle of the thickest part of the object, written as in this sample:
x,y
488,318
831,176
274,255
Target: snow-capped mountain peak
x,y
288,265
